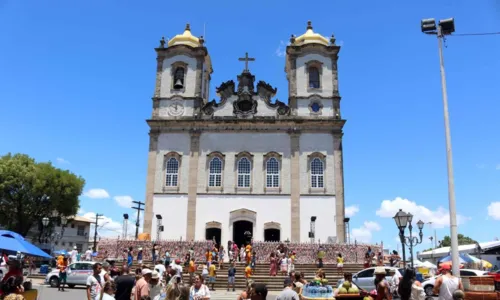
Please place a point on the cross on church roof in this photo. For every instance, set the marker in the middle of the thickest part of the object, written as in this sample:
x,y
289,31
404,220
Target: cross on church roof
x,y
246,59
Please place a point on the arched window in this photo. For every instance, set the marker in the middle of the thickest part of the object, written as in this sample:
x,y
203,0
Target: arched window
x,y
313,77
172,171
272,173
215,172
179,78
244,171
317,174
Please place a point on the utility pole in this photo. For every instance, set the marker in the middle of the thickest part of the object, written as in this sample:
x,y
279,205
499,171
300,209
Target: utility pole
x,y
138,208
97,217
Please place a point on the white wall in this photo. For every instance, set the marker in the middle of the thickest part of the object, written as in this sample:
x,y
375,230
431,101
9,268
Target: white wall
x,y
218,207
262,108
326,75
173,209
166,78
323,207
316,142
258,144
176,142
304,111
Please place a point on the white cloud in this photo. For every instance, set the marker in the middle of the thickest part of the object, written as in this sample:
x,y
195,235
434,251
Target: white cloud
x,y
124,201
440,217
281,50
494,210
62,161
372,226
364,233
96,194
350,211
107,227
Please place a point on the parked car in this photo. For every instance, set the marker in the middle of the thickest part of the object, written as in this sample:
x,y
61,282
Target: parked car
x,y
365,278
77,274
496,274
428,284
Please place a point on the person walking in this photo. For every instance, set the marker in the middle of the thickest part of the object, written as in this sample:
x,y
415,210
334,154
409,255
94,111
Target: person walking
x,y
124,284
409,287
231,275
381,284
288,293
340,264
447,284
63,275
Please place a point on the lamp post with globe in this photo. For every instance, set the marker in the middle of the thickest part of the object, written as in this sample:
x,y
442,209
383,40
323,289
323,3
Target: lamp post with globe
x,y
403,220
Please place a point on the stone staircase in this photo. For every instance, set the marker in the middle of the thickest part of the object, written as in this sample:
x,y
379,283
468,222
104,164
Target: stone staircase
x,y
261,275
274,283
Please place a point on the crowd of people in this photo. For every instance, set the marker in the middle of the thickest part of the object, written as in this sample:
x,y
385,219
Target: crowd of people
x,y
305,253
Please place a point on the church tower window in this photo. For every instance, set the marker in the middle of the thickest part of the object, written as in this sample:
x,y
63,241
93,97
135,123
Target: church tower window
x,y
272,173
172,172
317,173
313,77
215,172
244,171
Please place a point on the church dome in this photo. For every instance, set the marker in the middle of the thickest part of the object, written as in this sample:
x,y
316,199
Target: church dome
x,y
186,39
310,37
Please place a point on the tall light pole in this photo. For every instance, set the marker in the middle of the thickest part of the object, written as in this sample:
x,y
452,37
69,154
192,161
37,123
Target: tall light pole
x,y
446,27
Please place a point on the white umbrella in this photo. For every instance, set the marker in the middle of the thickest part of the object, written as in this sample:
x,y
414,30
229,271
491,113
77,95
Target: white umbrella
x,y
429,265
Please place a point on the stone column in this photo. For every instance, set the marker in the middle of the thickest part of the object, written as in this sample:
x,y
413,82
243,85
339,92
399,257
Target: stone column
x,y
295,185
194,153
339,187
150,181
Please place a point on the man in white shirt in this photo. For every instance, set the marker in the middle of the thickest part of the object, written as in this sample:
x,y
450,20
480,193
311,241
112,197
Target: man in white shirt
x,y
160,268
176,265
74,255
88,254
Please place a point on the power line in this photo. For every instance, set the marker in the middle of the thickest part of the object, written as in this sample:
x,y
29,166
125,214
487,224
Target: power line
x,y
472,34
138,208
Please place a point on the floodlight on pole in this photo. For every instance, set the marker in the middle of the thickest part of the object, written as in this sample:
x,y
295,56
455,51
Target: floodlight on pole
x,y
159,227
125,226
444,28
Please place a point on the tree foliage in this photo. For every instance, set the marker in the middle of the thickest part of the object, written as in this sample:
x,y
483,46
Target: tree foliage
x,y
30,191
462,240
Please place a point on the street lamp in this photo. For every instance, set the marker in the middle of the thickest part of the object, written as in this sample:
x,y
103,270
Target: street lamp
x,y
45,221
405,219
444,28
401,219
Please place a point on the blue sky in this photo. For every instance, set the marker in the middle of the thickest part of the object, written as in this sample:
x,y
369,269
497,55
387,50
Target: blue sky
x,y
76,80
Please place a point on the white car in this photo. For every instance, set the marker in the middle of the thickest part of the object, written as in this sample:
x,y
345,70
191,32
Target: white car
x,y
365,278
77,274
428,285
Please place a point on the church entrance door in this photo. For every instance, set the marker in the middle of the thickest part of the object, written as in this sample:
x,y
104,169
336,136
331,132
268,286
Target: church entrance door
x,y
272,235
239,228
213,233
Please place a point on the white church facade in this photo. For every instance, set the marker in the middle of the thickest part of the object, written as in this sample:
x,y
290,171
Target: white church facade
x,y
246,162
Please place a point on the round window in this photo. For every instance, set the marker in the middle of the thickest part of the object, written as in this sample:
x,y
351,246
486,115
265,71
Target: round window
x,y
315,107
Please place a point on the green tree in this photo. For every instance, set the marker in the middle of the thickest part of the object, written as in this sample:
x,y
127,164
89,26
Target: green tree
x,y
462,240
30,191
